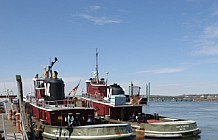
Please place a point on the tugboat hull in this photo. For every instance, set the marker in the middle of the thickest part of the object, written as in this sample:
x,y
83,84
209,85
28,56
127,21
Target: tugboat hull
x,y
174,129
89,132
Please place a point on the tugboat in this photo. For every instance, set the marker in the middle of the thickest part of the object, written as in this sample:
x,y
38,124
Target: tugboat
x,y
56,117
110,103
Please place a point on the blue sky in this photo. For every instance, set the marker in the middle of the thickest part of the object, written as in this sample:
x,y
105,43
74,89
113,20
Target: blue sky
x,y
172,44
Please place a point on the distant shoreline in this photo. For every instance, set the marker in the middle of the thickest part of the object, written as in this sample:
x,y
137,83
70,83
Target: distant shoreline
x,y
180,98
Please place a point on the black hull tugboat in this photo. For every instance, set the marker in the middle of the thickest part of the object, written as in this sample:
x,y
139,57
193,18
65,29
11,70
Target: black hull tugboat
x,y
56,117
110,103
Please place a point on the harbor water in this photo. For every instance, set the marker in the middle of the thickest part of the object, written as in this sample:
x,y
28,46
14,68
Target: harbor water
x,y
204,113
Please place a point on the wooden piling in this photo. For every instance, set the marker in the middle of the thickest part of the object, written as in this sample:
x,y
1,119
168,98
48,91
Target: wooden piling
x,y
25,117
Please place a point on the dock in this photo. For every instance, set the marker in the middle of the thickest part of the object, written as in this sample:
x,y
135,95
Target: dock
x,y
8,128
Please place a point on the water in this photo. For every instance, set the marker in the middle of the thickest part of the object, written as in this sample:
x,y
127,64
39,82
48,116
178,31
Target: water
x,y
204,113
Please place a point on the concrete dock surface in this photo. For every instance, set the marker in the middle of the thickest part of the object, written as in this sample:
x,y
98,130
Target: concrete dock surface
x,y
8,129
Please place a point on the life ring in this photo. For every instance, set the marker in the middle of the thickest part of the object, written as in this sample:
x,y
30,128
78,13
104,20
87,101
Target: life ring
x,y
99,96
43,104
96,94
96,108
74,100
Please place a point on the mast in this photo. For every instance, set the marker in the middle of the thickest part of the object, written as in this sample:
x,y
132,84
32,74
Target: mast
x,y
51,65
97,78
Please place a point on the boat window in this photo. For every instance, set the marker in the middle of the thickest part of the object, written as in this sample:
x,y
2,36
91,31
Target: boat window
x,y
39,83
136,90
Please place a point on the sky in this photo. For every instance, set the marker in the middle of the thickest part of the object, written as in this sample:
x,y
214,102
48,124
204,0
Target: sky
x,y
171,44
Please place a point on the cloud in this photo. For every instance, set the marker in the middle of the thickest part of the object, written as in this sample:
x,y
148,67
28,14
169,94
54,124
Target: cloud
x,y
94,7
101,20
92,14
212,60
163,70
207,50
215,13
207,43
123,11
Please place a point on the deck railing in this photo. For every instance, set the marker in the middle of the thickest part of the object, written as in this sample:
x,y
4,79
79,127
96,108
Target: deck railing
x,y
65,103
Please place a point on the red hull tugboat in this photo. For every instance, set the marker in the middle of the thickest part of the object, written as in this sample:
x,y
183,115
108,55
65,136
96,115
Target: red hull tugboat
x,y
55,118
110,103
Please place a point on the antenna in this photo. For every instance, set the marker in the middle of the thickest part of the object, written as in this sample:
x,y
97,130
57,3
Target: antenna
x,y
107,78
97,78
51,65
44,67
5,88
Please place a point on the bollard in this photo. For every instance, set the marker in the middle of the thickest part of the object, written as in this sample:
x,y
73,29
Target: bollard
x,y
13,113
17,122
18,126
10,114
65,102
155,116
14,122
13,117
17,116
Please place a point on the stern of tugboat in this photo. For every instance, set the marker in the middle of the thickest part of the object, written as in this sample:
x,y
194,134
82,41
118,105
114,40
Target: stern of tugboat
x,y
171,129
